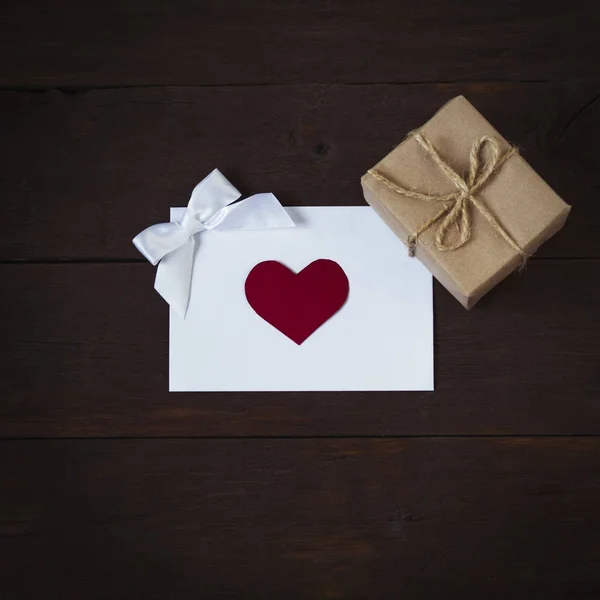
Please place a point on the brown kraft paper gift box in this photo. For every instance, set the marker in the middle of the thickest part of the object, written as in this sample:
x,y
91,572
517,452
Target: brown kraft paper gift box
x,y
526,210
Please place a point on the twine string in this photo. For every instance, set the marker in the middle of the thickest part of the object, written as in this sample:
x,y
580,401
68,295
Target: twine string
x,y
456,206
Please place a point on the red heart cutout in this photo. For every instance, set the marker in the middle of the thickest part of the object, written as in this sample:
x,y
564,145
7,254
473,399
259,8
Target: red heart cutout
x,y
297,304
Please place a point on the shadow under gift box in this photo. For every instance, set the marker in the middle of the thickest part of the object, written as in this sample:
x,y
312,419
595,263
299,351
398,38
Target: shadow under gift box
x,y
523,204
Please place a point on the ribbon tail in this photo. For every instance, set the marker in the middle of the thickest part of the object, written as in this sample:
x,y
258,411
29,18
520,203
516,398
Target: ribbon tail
x,y
261,211
174,277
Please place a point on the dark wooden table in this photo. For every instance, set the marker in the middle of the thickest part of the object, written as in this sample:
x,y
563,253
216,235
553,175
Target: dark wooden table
x,y
110,487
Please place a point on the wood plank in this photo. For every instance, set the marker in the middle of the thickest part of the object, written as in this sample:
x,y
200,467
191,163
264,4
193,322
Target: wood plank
x,y
85,353
84,173
420,518
116,42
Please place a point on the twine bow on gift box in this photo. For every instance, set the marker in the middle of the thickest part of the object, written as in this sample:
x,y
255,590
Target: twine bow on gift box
x,y
456,212
212,206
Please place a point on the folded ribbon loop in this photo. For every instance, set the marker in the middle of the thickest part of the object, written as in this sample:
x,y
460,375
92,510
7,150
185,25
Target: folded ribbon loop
x,y
455,211
172,245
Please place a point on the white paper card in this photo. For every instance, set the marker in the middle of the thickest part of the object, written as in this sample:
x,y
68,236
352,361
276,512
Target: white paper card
x,y
381,339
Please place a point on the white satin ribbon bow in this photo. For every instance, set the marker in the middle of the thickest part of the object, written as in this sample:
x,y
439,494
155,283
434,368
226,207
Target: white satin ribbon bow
x,y
172,244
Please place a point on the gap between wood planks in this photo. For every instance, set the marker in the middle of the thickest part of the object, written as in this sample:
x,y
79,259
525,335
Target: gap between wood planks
x,y
225,438
82,89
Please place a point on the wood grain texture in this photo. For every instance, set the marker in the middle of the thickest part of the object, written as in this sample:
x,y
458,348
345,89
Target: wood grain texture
x,y
134,42
85,353
417,519
278,95
84,173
